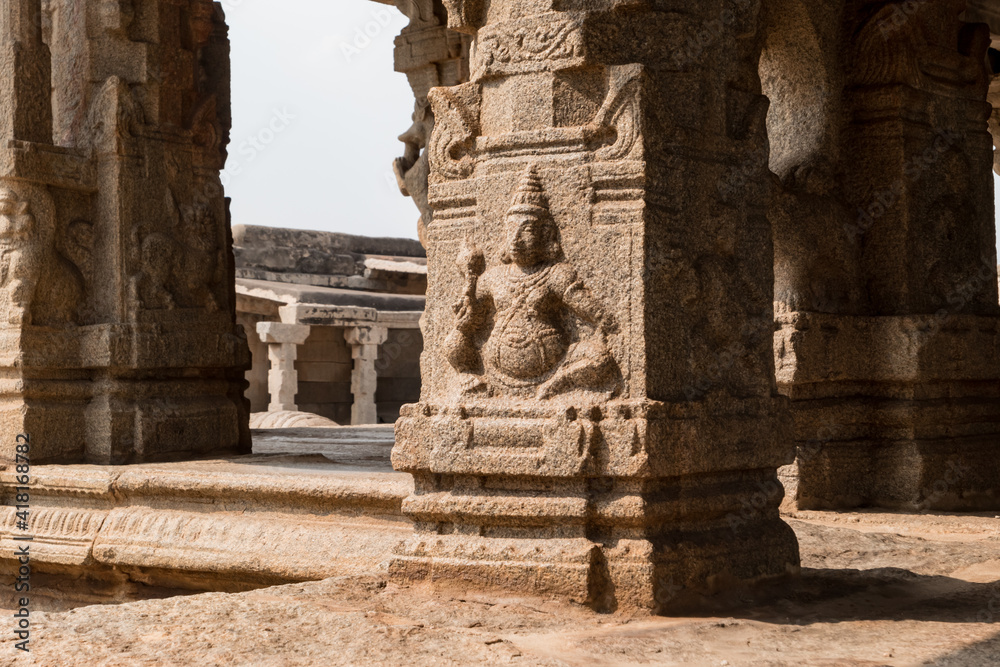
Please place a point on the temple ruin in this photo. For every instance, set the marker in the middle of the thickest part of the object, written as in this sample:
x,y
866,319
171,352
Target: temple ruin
x,y
332,321
681,259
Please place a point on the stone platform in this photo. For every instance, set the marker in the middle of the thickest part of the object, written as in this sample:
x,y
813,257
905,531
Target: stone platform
x,y
308,504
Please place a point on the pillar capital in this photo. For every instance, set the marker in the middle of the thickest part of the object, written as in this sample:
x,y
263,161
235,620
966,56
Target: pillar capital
x,y
366,335
279,332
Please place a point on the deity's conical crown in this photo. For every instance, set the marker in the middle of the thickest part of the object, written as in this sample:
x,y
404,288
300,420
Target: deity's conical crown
x,y
530,199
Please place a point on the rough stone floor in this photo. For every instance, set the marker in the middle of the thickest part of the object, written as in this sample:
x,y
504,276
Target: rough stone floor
x,y
876,589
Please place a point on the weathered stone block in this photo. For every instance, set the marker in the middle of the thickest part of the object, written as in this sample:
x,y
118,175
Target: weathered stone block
x,y
119,340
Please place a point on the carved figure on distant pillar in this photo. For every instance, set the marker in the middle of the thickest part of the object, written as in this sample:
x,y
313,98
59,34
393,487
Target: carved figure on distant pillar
x,y
431,56
19,267
531,299
413,168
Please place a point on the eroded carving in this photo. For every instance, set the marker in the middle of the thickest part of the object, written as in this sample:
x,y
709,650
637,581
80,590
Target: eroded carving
x,y
540,43
413,169
20,261
529,325
39,285
887,50
817,266
181,266
465,15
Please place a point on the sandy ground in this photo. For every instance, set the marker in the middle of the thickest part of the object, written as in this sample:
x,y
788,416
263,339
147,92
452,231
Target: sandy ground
x,y
876,589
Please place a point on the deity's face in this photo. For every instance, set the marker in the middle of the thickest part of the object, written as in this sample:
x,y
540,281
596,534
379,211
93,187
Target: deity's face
x,y
526,243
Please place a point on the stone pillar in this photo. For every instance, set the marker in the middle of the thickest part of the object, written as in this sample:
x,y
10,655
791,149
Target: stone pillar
x,y
364,342
430,55
889,345
282,349
598,416
25,97
119,342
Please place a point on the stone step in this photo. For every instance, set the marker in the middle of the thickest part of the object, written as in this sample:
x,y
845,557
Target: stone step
x,y
330,509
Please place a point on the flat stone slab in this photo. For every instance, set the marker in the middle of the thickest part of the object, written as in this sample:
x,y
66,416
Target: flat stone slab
x,y
369,446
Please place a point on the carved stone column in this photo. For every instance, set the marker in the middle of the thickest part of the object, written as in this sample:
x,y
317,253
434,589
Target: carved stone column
x,y
282,350
895,379
430,55
599,417
25,99
364,342
119,342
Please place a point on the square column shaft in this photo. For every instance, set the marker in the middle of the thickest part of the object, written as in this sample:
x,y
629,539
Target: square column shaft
x,y
896,391
26,77
282,349
364,342
599,417
119,340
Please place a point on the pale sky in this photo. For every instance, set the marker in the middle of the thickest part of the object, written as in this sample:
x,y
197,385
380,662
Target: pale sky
x,y
300,67
317,108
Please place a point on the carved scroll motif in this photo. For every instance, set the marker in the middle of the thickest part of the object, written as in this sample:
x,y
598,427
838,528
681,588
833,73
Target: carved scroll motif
x,y
456,125
621,112
543,43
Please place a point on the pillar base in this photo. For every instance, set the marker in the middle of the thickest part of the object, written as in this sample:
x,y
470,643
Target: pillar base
x,y
896,412
596,542
580,504
950,475
109,394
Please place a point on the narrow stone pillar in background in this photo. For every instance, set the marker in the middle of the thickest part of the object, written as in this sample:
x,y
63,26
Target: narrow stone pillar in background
x,y
896,390
282,342
119,341
364,342
599,417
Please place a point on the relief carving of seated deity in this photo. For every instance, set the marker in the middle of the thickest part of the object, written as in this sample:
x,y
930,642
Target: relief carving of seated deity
x,y
548,334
